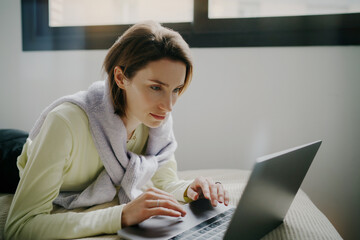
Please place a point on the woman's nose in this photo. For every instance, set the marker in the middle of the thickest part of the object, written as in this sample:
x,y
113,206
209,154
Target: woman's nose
x,y
167,103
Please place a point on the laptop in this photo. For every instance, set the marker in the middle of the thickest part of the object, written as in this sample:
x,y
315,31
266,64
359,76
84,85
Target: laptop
x,y
268,194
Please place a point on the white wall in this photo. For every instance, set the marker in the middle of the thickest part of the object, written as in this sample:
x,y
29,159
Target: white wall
x,y
242,103
246,102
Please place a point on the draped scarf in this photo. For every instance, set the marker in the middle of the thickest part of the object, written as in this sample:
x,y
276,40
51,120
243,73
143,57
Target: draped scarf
x,y
121,167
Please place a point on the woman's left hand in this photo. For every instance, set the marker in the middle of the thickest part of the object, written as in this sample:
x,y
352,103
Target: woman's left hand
x,y
207,188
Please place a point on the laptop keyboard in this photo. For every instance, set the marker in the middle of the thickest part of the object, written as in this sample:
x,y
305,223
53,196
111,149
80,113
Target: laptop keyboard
x,y
213,228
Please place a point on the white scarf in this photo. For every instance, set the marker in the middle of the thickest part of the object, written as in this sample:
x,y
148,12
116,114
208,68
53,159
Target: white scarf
x,y
122,167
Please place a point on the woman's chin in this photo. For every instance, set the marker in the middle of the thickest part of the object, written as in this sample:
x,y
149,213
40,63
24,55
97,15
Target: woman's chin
x,y
153,124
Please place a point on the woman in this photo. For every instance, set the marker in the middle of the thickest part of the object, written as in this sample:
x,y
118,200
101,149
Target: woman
x,y
107,142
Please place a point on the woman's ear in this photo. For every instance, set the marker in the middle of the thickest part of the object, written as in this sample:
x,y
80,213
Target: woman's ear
x,y
119,77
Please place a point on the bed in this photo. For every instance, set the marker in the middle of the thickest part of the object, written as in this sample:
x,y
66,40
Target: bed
x,y
303,221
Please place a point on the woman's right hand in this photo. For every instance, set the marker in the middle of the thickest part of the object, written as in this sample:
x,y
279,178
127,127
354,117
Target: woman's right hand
x,y
151,203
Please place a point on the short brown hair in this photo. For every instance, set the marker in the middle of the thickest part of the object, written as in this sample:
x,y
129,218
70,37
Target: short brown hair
x,y
139,45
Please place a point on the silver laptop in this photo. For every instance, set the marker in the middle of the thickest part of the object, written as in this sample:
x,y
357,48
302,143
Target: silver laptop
x,y
270,190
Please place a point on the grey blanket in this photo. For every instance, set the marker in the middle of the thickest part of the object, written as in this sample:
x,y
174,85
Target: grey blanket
x,y
122,167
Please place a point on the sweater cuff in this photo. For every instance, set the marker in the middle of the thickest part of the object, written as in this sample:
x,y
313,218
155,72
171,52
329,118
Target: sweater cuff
x,y
180,192
187,199
115,224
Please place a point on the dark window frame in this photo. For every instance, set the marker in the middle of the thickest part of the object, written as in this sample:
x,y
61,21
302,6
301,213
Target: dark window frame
x,y
314,30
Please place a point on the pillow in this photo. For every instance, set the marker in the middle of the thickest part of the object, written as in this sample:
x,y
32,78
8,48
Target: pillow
x,y
11,144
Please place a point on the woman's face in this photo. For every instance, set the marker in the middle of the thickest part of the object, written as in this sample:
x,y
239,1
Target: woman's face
x,y
153,91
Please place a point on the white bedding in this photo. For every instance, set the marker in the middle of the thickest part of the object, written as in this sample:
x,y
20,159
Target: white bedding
x,y
303,221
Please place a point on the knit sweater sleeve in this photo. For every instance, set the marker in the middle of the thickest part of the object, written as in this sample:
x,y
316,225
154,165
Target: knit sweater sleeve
x,y
42,174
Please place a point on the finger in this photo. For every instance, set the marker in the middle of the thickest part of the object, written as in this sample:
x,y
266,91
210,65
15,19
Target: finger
x,y
192,194
226,197
213,192
155,195
162,211
220,190
158,191
166,204
154,198
204,187
170,205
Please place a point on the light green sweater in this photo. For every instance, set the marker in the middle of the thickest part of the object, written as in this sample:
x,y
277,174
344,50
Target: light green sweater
x,y
63,157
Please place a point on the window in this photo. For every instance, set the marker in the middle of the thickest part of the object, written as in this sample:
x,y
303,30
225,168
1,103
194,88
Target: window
x,y
274,8
114,12
66,24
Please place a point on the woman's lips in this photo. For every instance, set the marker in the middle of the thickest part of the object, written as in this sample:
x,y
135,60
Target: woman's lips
x,y
158,117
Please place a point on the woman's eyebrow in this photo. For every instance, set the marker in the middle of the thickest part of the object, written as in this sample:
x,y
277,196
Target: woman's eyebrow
x,y
159,82
162,83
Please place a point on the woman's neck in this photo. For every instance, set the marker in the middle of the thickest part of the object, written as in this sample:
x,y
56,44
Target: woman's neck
x,y
130,126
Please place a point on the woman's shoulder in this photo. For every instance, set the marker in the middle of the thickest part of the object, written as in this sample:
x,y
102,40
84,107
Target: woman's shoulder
x,y
72,114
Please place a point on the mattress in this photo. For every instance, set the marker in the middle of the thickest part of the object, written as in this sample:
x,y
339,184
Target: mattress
x,y
303,220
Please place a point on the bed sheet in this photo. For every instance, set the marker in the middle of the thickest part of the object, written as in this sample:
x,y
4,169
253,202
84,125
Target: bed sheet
x,y
303,220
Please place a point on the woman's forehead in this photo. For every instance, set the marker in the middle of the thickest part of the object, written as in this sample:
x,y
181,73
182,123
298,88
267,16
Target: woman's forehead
x,y
164,71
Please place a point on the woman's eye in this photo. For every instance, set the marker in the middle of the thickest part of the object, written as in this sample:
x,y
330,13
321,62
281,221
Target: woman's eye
x,y
156,88
177,90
